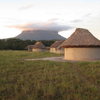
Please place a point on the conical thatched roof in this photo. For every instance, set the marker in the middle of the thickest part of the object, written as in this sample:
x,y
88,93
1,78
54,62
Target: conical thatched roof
x,y
29,46
81,38
39,45
56,44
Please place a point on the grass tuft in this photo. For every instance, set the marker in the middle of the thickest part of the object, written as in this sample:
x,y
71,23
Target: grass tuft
x,y
47,80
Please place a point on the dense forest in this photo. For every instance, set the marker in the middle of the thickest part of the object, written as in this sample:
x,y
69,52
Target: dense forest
x,y
17,44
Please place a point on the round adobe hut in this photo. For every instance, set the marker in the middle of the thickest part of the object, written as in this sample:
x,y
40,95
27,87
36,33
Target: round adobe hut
x,y
55,47
81,46
38,46
29,47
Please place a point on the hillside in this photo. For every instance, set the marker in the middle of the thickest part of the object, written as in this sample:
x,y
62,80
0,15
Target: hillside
x,y
40,35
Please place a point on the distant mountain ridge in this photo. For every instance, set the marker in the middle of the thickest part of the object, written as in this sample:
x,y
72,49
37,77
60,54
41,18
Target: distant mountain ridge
x,y
40,35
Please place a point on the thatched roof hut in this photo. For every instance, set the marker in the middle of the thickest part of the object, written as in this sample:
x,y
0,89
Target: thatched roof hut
x,y
55,47
29,47
38,46
82,45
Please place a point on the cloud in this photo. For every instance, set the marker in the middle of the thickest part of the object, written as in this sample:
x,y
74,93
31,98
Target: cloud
x,y
8,19
84,17
54,26
53,20
87,15
76,21
24,7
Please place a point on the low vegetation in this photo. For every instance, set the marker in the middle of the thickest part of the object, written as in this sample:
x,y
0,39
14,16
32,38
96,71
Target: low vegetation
x,y
17,44
47,80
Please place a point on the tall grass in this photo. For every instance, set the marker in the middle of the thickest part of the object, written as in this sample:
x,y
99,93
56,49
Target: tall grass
x,y
47,80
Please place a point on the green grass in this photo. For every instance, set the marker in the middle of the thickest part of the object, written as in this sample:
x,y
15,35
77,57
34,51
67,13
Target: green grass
x,y
47,80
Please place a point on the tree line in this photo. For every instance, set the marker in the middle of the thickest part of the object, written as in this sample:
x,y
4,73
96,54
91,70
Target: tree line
x,y
17,44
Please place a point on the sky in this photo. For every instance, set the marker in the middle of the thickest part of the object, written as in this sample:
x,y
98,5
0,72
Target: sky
x,y
63,16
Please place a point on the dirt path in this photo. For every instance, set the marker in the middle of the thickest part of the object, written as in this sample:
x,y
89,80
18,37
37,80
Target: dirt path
x,y
58,59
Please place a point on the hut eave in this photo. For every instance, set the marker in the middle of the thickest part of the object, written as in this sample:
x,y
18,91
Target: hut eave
x,y
81,46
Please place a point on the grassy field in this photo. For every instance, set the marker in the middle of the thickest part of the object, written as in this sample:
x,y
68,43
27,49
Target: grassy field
x,y
47,80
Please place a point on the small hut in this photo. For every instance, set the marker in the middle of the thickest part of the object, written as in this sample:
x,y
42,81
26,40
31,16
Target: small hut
x,y
81,46
38,46
55,47
29,47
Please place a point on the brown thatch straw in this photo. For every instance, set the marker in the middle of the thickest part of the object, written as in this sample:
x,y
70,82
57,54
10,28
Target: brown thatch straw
x,y
57,44
29,46
39,45
81,38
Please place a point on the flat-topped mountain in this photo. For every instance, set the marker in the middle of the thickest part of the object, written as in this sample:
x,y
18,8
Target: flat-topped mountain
x,y
40,35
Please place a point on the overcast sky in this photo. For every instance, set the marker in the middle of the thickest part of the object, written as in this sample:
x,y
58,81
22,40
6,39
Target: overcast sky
x,y
60,15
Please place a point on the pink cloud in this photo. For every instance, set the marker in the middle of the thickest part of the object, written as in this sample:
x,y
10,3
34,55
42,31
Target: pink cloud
x,y
42,26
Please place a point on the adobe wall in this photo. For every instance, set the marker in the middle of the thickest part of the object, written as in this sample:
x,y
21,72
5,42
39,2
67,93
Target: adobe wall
x,y
58,51
38,50
82,54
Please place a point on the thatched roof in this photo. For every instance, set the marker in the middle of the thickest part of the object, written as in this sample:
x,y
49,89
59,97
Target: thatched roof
x,y
29,46
39,45
81,38
56,44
